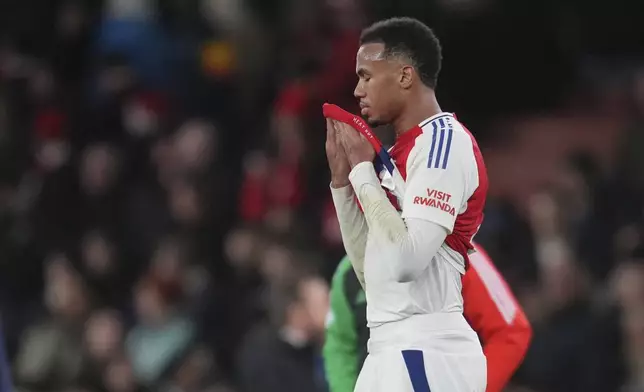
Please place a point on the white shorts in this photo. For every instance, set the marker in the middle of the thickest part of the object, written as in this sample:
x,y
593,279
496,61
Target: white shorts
x,y
445,358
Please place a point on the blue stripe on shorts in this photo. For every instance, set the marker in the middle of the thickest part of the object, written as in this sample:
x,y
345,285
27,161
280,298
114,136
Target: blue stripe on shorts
x,y
416,369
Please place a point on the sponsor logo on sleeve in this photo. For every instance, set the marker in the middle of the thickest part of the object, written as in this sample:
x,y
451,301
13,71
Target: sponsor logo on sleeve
x,y
436,199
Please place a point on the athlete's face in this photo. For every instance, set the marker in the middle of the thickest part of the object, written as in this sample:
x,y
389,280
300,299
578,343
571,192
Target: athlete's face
x,y
379,88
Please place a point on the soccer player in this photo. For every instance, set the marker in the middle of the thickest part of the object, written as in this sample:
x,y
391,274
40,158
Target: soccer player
x,y
410,251
490,308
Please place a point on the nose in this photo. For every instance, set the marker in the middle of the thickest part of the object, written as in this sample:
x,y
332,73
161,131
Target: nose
x,y
359,92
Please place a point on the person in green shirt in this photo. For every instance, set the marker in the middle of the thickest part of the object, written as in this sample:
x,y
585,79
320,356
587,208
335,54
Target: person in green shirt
x,y
345,347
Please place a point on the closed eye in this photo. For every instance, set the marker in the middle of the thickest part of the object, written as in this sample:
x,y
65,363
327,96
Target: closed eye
x,y
364,75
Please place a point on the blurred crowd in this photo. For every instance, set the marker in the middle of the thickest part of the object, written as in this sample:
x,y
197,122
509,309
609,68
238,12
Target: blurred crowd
x,y
165,217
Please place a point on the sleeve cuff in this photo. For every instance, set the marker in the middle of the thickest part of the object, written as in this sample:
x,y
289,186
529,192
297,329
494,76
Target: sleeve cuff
x,y
363,173
342,194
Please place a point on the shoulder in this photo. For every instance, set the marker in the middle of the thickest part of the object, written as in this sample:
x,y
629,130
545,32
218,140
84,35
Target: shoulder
x,y
343,267
261,335
345,283
445,133
339,282
443,144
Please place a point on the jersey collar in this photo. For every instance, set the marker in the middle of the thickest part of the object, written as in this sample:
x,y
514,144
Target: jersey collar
x,y
412,133
435,117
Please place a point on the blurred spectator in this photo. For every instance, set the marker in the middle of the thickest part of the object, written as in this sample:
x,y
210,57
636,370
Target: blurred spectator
x,y
102,268
101,197
629,292
556,360
562,311
277,264
185,203
118,377
284,355
103,340
98,170
196,146
196,372
103,335
51,353
161,336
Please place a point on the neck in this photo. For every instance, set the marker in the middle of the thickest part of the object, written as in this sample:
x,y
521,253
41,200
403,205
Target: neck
x,y
425,106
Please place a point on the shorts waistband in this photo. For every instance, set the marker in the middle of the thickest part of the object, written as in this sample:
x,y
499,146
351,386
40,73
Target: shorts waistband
x,y
420,330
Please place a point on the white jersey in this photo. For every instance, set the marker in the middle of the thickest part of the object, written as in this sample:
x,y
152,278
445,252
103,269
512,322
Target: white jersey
x,y
446,184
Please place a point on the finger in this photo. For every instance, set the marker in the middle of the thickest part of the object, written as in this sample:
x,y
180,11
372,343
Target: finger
x,y
350,134
336,113
363,138
330,131
345,139
357,139
339,134
339,129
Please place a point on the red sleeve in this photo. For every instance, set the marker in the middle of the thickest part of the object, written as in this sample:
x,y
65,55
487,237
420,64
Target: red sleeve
x,y
496,316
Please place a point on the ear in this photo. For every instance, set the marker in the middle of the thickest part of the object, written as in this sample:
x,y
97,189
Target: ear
x,y
406,76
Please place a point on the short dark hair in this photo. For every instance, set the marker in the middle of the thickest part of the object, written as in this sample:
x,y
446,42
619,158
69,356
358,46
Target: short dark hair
x,y
410,38
280,296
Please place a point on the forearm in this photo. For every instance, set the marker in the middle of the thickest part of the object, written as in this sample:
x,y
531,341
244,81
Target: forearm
x,y
413,242
353,227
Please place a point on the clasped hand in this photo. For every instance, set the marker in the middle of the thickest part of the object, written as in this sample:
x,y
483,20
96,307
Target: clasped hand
x,y
355,145
345,148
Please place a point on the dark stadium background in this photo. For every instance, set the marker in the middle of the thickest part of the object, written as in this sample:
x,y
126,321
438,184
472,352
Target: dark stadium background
x,y
163,183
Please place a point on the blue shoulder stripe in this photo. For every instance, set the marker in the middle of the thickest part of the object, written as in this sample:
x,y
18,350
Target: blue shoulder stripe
x,y
439,155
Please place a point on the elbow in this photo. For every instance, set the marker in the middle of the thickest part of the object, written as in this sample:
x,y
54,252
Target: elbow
x,y
522,332
519,336
525,331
